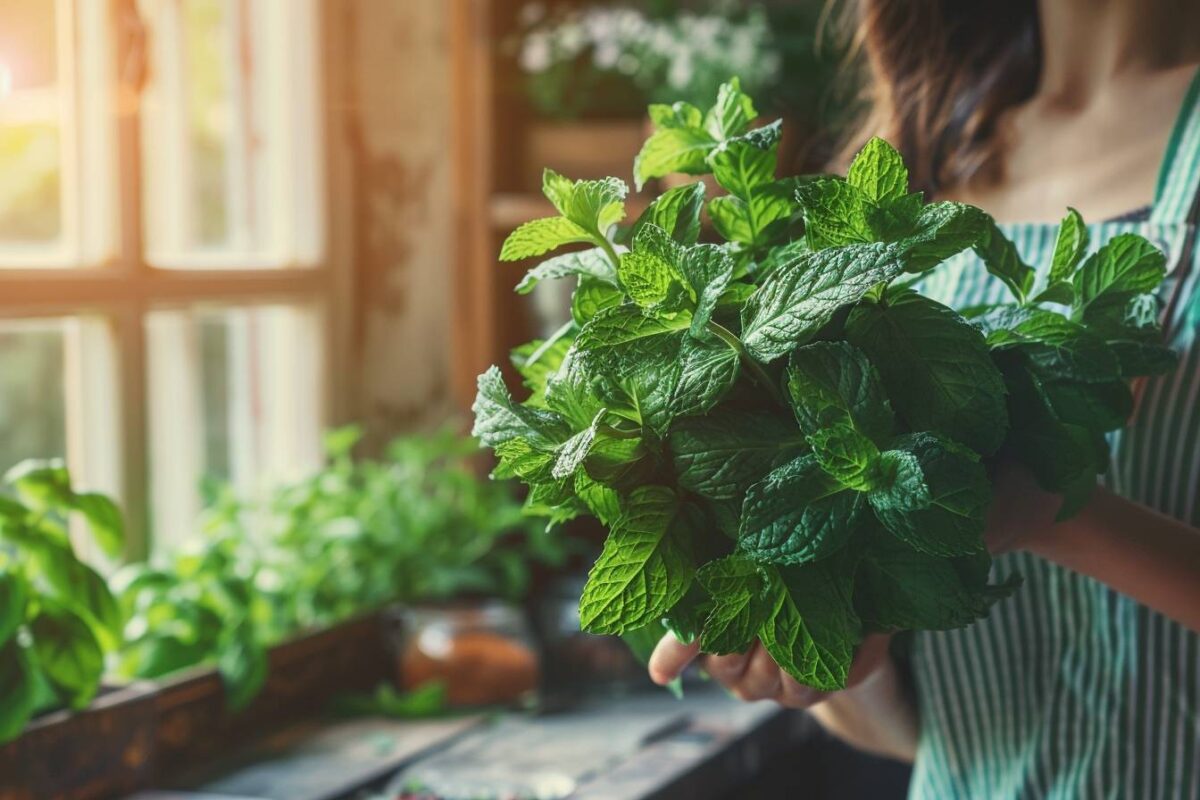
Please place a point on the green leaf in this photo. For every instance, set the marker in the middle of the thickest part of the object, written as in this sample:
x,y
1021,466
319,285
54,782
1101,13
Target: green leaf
x,y
671,150
14,594
831,383
900,483
1069,248
243,667
813,629
538,360
743,164
575,450
707,270
942,230
644,568
642,641
1061,292
498,418
835,214
16,689
741,604
597,205
540,236
800,297
936,368
42,484
105,521
604,503
593,263
878,171
1002,260
676,211
846,455
67,652
899,588
797,514
732,114
721,455
591,297
952,523
685,620
646,277
81,589
676,115
1128,265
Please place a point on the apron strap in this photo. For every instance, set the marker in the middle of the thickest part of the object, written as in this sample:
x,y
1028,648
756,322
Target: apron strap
x,y
1177,194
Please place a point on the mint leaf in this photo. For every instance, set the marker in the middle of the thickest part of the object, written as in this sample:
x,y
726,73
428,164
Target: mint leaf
x,y
846,455
593,263
800,297
899,588
743,164
676,211
798,513
831,383
644,569
1069,248
835,213
935,366
14,593
670,150
952,522
721,455
1128,265
540,236
942,230
646,277
498,418
732,114
813,629
1002,260
593,296
538,361
17,689
741,604
878,171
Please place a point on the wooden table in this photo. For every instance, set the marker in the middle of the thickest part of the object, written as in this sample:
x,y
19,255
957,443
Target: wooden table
x,y
633,748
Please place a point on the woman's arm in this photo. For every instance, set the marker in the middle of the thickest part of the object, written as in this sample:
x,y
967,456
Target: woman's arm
x,y
874,713
1148,556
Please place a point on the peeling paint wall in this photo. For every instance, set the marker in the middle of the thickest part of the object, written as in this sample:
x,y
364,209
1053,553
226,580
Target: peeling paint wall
x,y
390,105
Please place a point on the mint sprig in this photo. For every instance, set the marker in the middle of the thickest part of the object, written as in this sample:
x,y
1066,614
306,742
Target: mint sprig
x,y
787,441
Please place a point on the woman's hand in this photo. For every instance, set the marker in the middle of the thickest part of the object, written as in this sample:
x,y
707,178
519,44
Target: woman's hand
x,y
1021,513
754,675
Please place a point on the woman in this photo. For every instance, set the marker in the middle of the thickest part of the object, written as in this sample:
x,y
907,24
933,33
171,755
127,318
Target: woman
x,y
1086,683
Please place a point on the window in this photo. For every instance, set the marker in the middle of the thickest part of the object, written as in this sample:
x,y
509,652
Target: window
x,y
164,292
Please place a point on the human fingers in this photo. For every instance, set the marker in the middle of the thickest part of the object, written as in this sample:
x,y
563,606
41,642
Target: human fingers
x,y
670,658
761,679
728,669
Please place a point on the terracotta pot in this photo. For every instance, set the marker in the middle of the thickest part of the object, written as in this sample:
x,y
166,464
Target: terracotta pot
x,y
484,653
103,751
585,149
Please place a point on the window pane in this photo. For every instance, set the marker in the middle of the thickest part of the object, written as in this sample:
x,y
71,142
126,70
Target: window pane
x,y
230,159
30,136
32,396
235,396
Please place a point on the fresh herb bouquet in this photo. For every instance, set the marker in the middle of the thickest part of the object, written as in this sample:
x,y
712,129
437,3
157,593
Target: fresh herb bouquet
x,y
786,440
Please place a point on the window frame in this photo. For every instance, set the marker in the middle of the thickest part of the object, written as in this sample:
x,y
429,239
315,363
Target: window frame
x,y
125,288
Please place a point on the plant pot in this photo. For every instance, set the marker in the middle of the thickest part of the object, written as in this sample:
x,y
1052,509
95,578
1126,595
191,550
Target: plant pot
x,y
103,751
484,653
584,149
196,725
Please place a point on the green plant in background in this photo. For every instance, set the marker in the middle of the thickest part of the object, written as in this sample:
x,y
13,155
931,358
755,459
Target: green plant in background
x,y
200,606
786,440
418,525
58,618
610,60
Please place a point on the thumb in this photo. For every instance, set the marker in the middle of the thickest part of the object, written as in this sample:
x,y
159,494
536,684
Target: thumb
x,y
670,658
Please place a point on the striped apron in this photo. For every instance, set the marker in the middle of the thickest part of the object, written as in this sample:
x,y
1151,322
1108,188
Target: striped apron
x,y
1069,689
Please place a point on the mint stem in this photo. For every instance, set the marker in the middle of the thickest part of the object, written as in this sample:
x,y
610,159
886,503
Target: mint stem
x,y
612,254
617,433
760,375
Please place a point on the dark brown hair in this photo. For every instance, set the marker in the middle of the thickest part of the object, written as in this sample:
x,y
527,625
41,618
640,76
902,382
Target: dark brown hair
x,y
937,76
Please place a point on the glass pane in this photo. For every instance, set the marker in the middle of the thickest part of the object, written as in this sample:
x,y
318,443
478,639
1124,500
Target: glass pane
x,y
229,134
235,397
30,136
32,391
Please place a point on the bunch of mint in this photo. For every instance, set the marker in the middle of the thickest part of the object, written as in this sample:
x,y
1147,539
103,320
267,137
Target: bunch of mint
x,y
786,440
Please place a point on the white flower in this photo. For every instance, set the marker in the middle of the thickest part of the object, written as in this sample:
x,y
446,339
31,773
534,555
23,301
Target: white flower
x,y
535,54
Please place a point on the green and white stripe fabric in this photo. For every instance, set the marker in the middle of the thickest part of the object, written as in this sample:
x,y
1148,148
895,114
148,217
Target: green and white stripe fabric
x,y
1069,689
